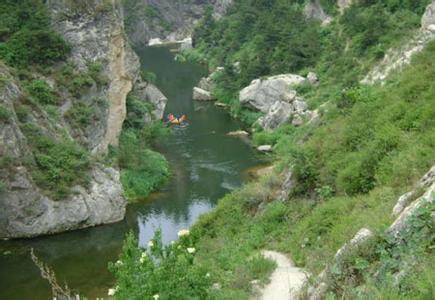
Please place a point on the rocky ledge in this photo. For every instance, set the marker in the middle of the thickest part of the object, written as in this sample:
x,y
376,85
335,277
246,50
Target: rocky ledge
x,y
277,98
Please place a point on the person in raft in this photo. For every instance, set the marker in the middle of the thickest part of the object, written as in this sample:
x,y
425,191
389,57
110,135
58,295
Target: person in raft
x,y
172,120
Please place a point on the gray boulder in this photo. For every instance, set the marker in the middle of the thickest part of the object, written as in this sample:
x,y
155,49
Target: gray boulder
x,y
202,95
428,19
150,93
265,148
279,113
277,99
262,94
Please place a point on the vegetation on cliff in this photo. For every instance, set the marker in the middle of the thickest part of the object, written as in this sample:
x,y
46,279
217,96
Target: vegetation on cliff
x,y
143,170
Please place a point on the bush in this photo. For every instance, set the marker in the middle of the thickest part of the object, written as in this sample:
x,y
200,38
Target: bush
x,y
5,113
79,84
143,170
81,115
41,92
148,76
58,165
167,271
29,47
137,111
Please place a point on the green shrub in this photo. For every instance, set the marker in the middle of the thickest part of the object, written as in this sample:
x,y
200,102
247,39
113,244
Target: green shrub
x,y
148,76
80,84
95,72
81,115
29,47
41,92
58,165
23,112
143,170
167,271
5,113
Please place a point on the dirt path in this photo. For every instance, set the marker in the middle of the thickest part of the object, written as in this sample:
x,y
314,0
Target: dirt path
x,y
285,282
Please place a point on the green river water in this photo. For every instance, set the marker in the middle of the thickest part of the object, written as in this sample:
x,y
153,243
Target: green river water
x,y
205,163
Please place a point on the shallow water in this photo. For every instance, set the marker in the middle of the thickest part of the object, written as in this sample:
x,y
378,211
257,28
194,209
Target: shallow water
x,y
205,163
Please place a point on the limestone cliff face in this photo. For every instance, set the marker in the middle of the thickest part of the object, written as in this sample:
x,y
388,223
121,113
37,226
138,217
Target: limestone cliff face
x,y
167,20
26,210
96,33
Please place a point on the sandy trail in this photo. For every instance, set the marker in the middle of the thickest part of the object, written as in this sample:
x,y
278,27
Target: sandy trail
x,y
285,282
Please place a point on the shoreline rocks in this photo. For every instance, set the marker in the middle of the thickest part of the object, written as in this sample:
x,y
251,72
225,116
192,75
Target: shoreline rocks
x,y
202,95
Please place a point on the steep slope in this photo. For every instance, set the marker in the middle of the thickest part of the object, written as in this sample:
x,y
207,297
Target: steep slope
x,y
348,198
59,115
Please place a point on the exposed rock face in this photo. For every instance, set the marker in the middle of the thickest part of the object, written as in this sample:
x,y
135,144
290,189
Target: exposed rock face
x,y
276,98
149,92
396,231
313,9
167,20
324,279
95,31
396,59
26,212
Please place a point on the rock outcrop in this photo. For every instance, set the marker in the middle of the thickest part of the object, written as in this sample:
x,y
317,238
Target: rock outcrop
x,y
26,210
313,9
396,59
166,20
150,93
202,95
276,97
96,33
95,29
401,227
204,90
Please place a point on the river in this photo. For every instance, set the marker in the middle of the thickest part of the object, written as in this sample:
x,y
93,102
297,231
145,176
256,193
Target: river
x,y
205,164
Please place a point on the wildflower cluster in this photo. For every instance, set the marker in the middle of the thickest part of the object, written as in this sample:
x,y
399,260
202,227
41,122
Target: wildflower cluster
x,y
152,273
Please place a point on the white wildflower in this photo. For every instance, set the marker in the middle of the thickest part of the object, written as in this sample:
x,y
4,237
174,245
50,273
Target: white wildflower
x,y
111,292
156,296
119,263
191,250
151,244
183,232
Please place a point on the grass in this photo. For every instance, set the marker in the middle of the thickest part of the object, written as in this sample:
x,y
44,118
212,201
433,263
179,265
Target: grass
x,y
372,145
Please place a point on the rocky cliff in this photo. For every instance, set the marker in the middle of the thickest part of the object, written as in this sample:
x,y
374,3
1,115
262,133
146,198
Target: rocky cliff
x,y
396,58
87,116
167,20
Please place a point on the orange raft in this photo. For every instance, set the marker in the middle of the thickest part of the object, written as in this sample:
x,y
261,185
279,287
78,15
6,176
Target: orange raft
x,y
176,121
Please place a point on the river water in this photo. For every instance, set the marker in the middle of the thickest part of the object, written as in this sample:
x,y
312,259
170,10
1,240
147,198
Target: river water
x,y
205,163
